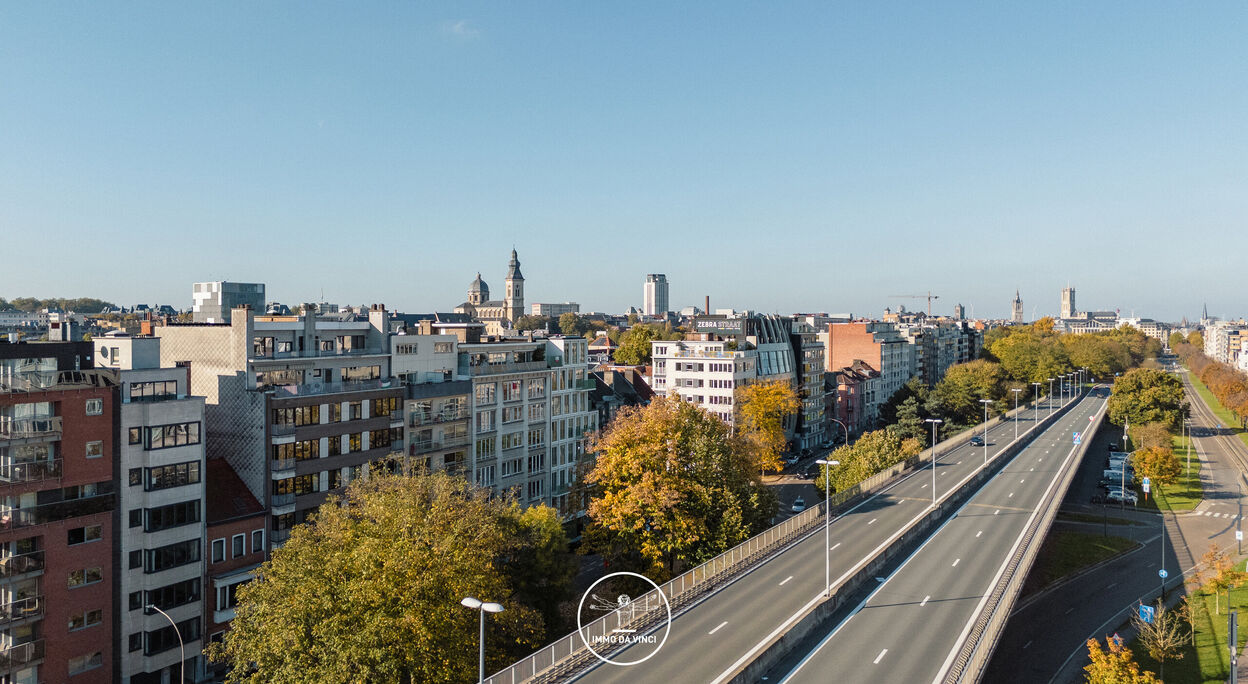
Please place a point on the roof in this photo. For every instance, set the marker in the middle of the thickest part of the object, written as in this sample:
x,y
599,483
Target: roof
x,y
478,285
227,497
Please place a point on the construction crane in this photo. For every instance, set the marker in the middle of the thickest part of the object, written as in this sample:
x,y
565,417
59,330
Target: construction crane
x,y
929,297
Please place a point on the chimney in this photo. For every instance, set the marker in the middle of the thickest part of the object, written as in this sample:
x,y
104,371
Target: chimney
x,y
707,306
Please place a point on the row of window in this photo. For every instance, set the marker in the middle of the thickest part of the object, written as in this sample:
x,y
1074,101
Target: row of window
x,y
154,390
166,517
411,348
161,640
238,545
165,436
167,597
169,556
165,477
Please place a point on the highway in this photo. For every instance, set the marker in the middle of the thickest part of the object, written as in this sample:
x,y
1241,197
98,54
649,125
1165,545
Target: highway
x,y
714,638
911,627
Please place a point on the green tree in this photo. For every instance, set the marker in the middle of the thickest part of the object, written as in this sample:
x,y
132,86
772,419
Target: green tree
x,y
956,397
1151,435
571,324
538,563
914,388
1144,395
389,564
1158,464
909,421
872,452
635,343
1115,664
761,409
1196,339
1176,338
1165,637
672,487
528,322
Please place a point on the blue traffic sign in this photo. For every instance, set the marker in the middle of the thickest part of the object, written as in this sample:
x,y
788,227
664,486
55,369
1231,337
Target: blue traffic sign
x,y
1146,614
1162,573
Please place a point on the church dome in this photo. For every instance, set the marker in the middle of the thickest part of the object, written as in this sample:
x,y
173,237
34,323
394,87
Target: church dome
x,y
479,286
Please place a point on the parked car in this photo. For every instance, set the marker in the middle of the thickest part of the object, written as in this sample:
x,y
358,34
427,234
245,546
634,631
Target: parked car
x,y
799,505
792,458
977,441
1119,496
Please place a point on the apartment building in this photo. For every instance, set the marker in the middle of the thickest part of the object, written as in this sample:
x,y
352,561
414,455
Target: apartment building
x,y
236,535
58,515
298,405
654,295
212,302
732,351
881,346
1223,340
810,430
161,503
555,310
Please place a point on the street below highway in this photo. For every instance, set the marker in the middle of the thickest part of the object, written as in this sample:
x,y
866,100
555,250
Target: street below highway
x,y
713,638
911,627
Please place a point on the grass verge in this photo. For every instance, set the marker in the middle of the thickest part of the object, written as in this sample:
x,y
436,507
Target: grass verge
x,y
1229,421
1184,495
1209,660
1065,553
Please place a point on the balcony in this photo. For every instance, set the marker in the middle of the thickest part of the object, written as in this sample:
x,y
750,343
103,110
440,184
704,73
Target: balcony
x,y
277,538
419,419
30,429
284,430
267,353
310,389
21,655
14,567
499,368
12,472
586,384
30,608
282,468
40,381
31,516
430,446
282,504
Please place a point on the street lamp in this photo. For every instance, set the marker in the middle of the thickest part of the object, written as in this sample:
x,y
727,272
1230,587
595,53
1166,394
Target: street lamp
x,y
481,608
985,402
827,522
1037,386
1016,390
934,422
1049,399
1187,425
181,646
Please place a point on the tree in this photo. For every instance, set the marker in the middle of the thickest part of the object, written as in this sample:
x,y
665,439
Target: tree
x,y
389,563
874,451
538,562
1151,435
1144,395
672,487
761,408
528,322
1176,338
914,388
956,397
1165,637
1217,573
571,324
1115,664
635,343
1158,464
1196,339
909,422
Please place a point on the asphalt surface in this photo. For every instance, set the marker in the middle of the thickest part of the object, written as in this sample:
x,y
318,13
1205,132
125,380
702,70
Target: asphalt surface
x,y
1045,638
713,638
911,627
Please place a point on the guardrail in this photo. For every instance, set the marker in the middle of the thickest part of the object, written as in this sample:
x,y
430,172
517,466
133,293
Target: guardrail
x,y
977,650
568,655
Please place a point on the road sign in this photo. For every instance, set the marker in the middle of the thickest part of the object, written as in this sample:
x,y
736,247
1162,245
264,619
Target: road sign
x,y
1239,535
1146,614
1145,485
1162,573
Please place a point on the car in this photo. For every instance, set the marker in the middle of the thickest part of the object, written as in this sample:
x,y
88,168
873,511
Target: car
x,y
977,441
792,458
799,505
826,445
1119,496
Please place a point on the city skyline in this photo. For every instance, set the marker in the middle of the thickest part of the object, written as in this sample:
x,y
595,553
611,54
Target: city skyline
x,y
800,158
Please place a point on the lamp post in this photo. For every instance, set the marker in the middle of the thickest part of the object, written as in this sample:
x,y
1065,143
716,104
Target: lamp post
x,y
827,522
482,608
1037,386
1049,399
1016,390
985,402
181,646
934,422
1187,426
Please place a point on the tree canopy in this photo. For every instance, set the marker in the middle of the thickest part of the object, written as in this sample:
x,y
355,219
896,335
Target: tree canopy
x,y
1226,382
761,409
635,342
672,488
84,305
873,452
1145,395
370,589
1114,664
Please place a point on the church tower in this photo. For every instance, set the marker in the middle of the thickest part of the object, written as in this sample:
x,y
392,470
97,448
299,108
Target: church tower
x,y
1017,308
513,303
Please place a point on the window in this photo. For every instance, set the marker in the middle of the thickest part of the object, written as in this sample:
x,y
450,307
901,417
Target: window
x,y
136,517
485,448
136,641
485,393
174,595
176,435
161,640
301,484
485,421
513,440
335,413
355,410
335,445
172,515
513,414
303,415
513,467
136,559
302,450
238,545
383,406
136,435
511,390
485,475
153,391
95,449
85,619
356,441
172,556
537,388
82,535
85,576
535,489
405,348
218,550
227,596
537,462
442,347
537,412
136,600
83,663
136,476
176,475
257,537
95,407
537,437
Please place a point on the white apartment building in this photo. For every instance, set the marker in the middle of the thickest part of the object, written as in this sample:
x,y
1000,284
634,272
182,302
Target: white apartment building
x,y
161,454
1223,340
654,295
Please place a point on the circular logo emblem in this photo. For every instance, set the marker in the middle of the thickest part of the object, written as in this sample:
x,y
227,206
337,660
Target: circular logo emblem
x,y
624,618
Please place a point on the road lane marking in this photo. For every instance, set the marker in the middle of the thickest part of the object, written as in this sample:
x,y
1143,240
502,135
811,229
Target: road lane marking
x,y
1026,645
1068,610
924,601
873,521
786,579
978,533
1112,585
955,563
879,657
721,626
997,512
923,487
1011,495
1022,480
834,546
1032,470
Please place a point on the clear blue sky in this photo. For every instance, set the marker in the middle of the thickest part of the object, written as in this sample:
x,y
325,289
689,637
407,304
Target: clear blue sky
x,y
776,156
